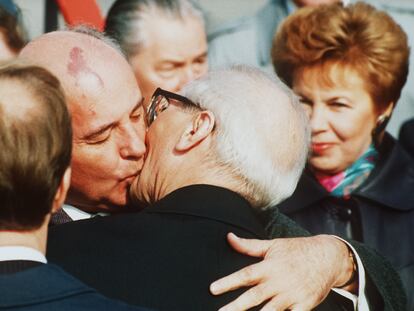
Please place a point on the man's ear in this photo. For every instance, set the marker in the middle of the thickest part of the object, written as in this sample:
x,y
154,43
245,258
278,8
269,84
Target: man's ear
x,y
200,127
62,190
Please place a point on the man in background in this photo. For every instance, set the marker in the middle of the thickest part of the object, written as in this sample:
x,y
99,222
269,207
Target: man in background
x,y
164,41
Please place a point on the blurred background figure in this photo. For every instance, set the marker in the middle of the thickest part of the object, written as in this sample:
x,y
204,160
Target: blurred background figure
x,y
348,65
248,40
12,32
164,41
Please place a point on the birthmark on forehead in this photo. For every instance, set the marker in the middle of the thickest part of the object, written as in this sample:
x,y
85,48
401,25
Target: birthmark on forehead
x,y
79,69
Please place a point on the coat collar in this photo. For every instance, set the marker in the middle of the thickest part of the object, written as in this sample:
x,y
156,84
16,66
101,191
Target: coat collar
x,y
391,183
38,285
212,202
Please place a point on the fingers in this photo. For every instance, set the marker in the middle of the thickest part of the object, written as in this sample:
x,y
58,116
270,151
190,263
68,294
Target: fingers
x,y
245,277
251,247
282,303
278,303
251,298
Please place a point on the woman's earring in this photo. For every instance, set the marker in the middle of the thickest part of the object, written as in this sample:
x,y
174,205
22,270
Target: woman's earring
x,y
382,122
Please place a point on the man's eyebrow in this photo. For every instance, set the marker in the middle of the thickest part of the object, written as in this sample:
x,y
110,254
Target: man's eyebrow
x,y
204,54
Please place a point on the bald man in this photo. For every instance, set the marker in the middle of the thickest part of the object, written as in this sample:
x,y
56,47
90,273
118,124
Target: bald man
x,y
107,118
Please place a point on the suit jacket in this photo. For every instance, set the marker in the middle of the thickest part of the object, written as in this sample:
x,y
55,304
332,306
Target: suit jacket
x,y
31,286
166,256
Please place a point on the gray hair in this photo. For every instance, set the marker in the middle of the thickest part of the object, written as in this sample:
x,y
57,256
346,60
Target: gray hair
x,y
95,33
262,131
126,19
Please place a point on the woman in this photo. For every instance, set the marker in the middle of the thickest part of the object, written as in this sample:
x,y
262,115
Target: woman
x,y
348,65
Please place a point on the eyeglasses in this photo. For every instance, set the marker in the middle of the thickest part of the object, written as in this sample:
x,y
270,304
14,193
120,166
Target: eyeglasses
x,y
160,101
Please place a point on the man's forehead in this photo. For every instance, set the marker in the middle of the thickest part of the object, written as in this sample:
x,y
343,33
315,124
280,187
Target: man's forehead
x,y
169,38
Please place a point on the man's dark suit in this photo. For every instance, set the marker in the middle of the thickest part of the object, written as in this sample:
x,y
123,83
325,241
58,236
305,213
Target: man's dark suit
x,y
32,286
166,256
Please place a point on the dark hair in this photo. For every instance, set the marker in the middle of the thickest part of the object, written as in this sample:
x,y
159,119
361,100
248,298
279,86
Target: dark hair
x,y
13,29
125,19
35,144
356,36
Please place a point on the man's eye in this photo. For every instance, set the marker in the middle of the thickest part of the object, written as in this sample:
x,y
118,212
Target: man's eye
x,y
305,101
167,72
338,105
99,139
167,68
201,60
136,117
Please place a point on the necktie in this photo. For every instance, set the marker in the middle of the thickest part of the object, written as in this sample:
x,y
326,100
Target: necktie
x,y
59,218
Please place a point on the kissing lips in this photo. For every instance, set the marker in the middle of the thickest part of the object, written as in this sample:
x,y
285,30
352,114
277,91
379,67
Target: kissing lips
x,y
131,177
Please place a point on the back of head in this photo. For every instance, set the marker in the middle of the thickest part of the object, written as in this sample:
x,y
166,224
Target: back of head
x,y
357,36
262,133
35,145
127,19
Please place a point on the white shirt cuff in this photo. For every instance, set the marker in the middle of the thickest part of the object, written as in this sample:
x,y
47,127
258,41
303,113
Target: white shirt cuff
x,y
360,302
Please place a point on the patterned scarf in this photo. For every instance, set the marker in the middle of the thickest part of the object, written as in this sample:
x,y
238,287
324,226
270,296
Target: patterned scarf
x,y
344,183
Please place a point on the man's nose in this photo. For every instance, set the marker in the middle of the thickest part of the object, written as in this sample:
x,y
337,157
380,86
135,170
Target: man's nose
x,y
187,75
133,145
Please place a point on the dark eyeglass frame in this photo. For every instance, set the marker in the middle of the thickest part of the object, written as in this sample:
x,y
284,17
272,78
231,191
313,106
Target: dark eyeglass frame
x,y
152,112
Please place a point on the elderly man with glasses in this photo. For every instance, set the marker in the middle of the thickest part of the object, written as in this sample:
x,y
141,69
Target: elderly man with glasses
x,y
214,159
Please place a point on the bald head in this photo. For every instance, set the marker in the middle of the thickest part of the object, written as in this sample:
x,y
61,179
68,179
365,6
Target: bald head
x,y
105,103
84,63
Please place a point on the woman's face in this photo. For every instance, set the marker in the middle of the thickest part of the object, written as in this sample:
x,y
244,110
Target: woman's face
x,y
342,116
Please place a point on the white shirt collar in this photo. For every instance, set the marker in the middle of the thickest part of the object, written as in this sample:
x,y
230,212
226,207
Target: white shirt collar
x,y
8,253
77,214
